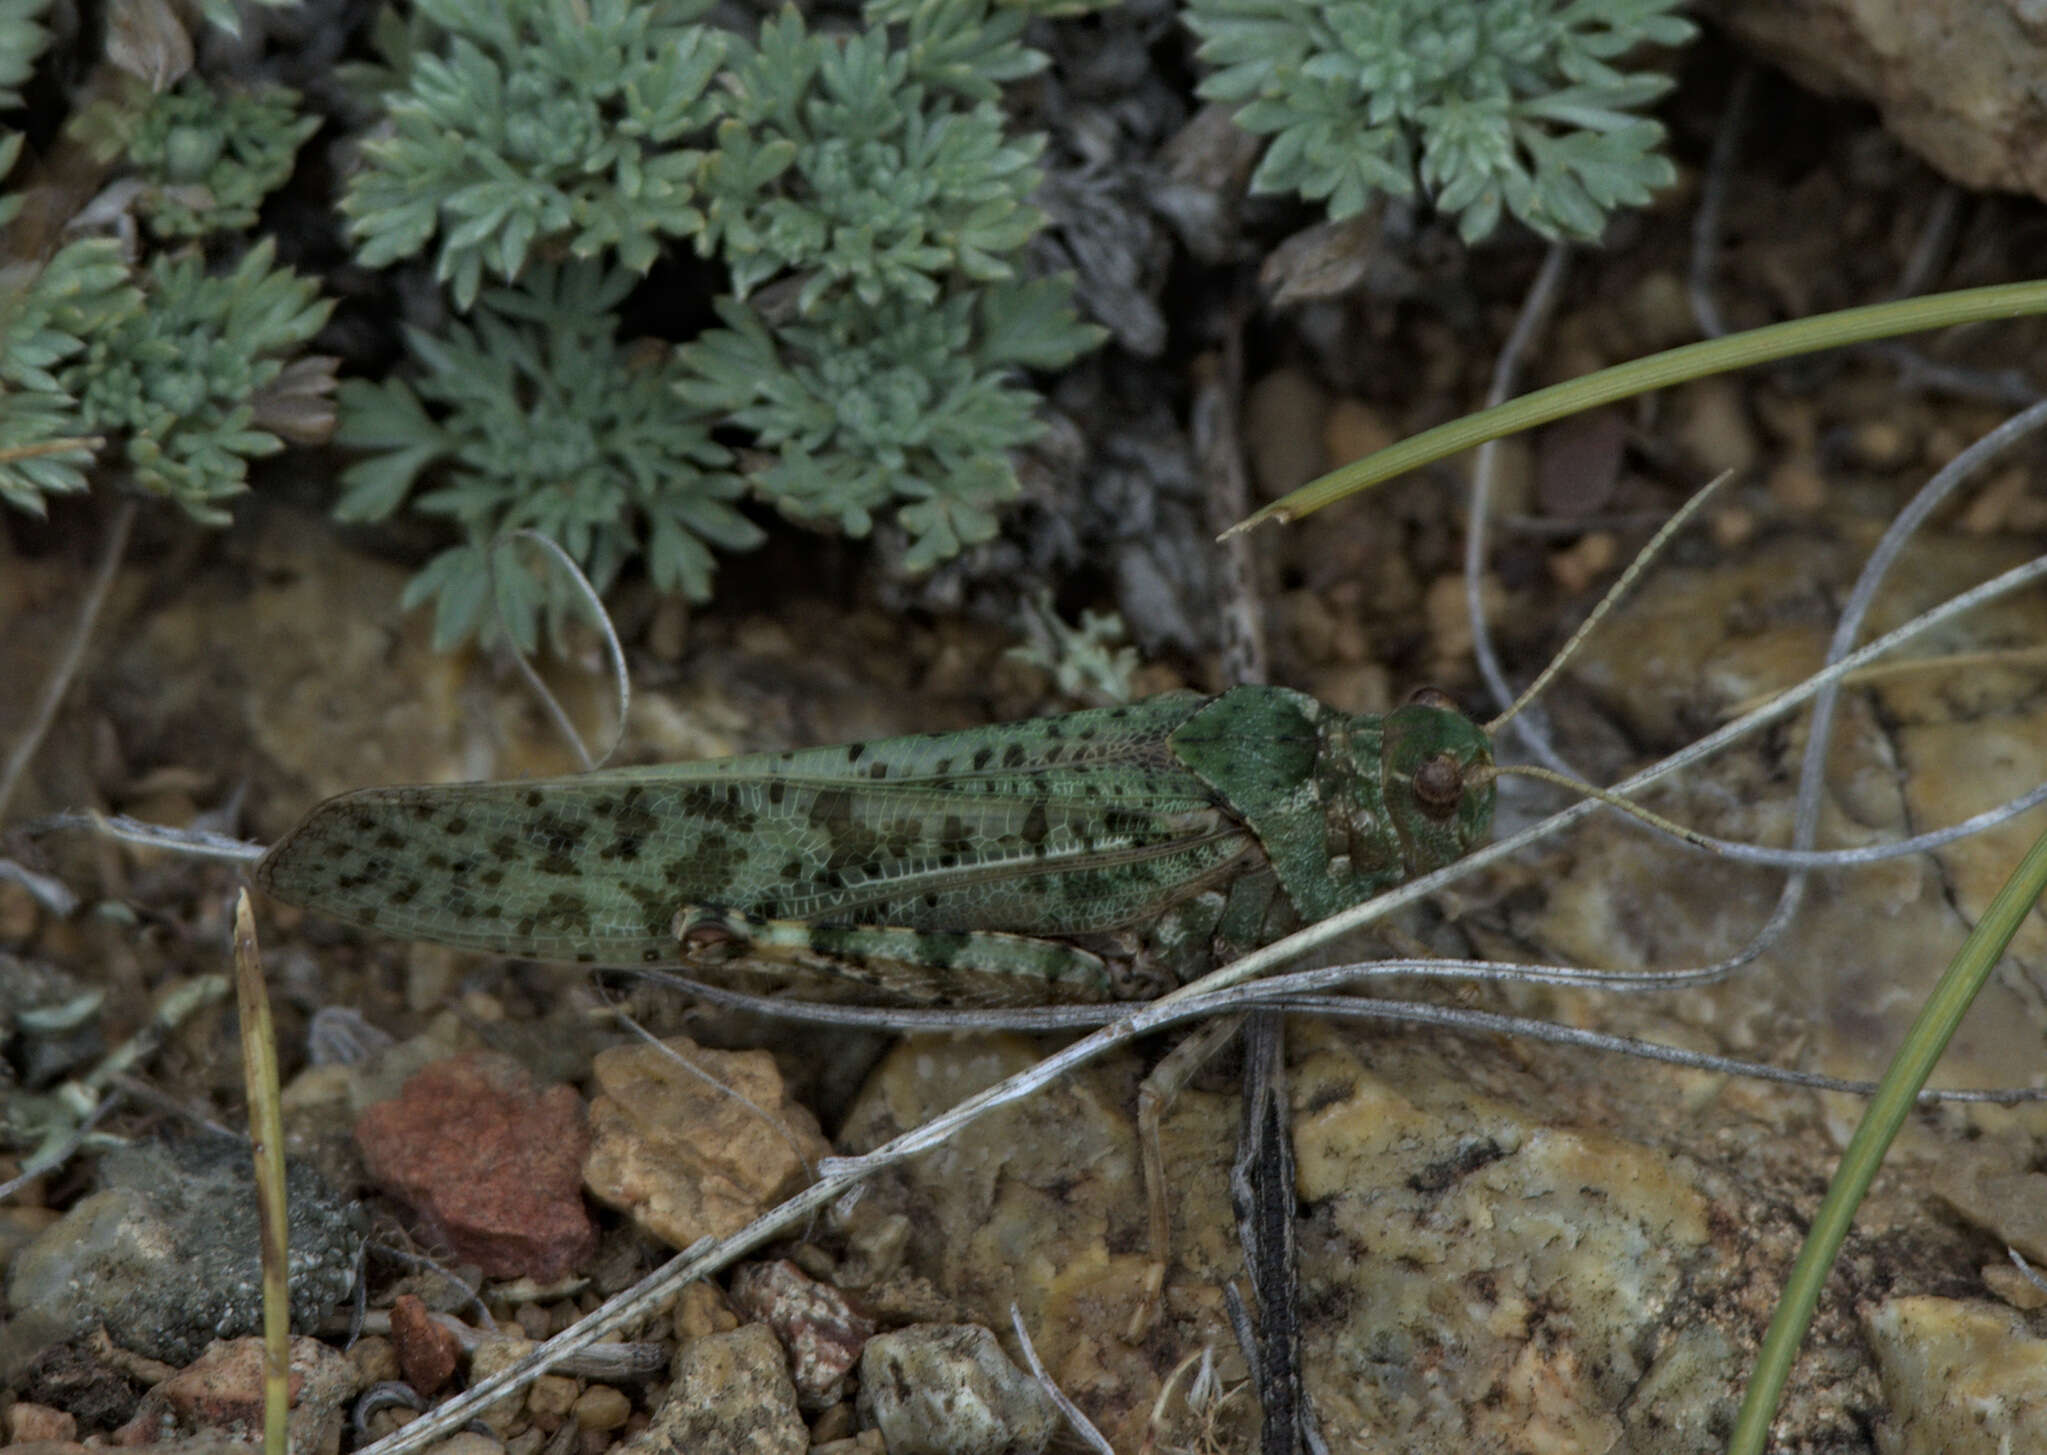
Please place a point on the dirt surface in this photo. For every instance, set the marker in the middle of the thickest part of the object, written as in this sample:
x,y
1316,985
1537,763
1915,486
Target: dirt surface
x,y
1505,1246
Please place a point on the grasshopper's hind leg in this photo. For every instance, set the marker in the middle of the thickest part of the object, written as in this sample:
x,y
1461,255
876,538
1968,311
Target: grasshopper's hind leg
x,y
1155,1097
1252,913
906,966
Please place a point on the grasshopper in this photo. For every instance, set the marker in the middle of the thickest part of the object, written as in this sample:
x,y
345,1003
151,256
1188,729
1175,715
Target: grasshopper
x,y
1078,857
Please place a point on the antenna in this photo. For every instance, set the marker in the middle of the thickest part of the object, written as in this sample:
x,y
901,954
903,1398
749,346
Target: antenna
x,y
1607,603
1612,800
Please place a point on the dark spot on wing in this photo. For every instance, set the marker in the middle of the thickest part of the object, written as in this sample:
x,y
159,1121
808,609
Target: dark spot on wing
x,y
634,817
1035,827
566,912
716,803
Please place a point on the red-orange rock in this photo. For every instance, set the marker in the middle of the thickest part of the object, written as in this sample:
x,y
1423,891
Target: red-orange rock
x,y
491,1165
427,1352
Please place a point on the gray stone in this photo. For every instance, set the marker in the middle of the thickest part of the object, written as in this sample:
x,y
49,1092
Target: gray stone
x,y
166,1256
948,1389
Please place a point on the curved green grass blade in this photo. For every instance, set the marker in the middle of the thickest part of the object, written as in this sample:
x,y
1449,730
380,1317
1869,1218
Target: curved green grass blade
x,y
1894,1099
1659,371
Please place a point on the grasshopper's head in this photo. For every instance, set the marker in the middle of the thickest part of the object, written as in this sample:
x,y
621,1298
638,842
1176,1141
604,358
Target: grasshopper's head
x,y
1437,779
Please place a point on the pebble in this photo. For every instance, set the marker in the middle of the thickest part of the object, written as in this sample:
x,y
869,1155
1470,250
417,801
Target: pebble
x,y
166,1255
948,1389
1961,1377
1361,687
730,1395
1578,464
602,1407
1797,486
2009,1284
26,1422
1578,566
701,1309
549,1400
1355,429
836,1423
466,1442
490,1163
2010,1206
1283,431
1514,472
1325,260
867,1442
1713,427
77,1379
20,1226
1449,624
220,1394
506,1414
1882,444
375,1360
1315,629
427,1352
1732,526
1659,312
1992,508
814,1321
689,1153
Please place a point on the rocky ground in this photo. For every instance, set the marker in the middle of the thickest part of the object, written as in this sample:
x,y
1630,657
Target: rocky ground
x,y
1503,1245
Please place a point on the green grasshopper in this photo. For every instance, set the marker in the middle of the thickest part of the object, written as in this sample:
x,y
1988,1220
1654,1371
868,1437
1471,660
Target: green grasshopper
x,y
1077,857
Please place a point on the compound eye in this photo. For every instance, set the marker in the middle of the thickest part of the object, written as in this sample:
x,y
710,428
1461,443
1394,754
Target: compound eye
x,y
1439,786
1432,697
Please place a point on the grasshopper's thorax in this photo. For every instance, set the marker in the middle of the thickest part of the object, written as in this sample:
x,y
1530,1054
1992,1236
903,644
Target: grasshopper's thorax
x,y
1343,805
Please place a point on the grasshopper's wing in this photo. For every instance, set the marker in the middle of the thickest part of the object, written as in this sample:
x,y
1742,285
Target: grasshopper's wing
x,y
1056,826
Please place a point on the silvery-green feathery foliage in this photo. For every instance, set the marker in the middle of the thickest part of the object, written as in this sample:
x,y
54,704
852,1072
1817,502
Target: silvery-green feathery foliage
x,y
834,163
516,121
1092,662
171,384
208,157
22,38
532,415
1490,104
868,175
904,404
47,311
156,368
